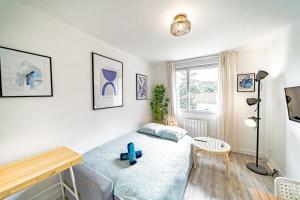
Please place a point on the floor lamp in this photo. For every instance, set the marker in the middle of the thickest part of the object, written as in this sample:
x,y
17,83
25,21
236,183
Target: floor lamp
x,y
254,123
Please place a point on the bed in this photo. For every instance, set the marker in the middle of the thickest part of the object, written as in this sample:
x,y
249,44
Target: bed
x,y
161,173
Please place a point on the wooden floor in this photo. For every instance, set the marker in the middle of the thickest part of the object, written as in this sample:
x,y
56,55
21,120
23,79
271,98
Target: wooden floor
x,y
209,181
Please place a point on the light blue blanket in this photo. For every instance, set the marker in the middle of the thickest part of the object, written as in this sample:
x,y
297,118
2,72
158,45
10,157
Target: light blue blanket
x,y
160,174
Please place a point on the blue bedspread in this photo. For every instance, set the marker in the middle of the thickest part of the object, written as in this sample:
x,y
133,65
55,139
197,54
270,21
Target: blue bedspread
x,y
160,174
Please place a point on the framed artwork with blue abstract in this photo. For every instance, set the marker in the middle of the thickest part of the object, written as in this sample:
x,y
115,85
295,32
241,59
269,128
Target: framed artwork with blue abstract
x,y
25,74
141,87
107,82
246,82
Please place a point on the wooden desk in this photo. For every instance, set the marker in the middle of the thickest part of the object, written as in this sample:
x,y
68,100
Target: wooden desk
x,y
260,195
22,174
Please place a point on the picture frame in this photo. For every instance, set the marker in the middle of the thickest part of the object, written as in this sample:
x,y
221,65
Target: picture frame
x,y
141,87
25,74
246,82
107,75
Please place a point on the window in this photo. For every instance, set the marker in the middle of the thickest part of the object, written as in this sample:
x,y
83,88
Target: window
x,y
181,89
197,87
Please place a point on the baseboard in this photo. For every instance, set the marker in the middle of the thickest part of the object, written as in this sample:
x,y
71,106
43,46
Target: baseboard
x,y
262,156
273,166
251,153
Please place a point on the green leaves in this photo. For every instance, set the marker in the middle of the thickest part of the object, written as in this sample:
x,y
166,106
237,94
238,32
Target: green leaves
x,y
159,104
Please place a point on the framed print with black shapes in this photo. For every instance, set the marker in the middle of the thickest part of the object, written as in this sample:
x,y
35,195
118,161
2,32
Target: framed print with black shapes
x,y
141,87
107,82
246,82
25,74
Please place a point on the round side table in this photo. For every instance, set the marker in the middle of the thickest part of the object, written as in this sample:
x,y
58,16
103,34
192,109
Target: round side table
x,y
213,146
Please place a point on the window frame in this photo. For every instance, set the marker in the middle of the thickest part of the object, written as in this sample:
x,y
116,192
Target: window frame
x,y
187,70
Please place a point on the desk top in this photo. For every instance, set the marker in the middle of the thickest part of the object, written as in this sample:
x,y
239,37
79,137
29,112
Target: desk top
x,y
24,173
260,195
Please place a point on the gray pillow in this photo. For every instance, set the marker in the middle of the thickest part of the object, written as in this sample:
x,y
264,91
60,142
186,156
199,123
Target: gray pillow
x,y
151,128
173,133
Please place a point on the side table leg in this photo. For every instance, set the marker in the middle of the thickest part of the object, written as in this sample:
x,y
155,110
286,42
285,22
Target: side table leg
x,y
226,157
194,157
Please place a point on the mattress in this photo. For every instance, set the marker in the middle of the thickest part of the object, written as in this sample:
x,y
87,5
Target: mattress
x,y
160,174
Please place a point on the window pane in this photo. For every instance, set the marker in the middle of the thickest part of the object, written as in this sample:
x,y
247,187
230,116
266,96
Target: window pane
x,y
181,89
203,86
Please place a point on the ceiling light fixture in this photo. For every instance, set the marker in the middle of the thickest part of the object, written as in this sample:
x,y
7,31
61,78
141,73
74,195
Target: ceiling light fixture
x,y
180,26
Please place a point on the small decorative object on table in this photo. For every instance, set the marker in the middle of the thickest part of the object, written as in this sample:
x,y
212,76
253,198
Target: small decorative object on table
x,y
141,87
246,82
172,121
107,82
211,145
24,74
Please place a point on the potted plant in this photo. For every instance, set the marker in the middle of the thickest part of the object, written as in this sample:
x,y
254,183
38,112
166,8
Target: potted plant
x,y
159,104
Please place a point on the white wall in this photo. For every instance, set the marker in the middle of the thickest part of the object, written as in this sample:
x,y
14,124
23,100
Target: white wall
x,y
280,137
32,125
251,61
284,135
159,73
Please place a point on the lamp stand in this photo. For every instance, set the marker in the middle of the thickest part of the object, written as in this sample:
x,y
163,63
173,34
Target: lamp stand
x,y
255,167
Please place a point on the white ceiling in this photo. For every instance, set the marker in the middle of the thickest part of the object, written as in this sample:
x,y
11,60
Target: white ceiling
x,y
141,27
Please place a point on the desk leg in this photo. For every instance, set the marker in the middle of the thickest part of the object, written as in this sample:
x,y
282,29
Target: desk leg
x,y
62,187
74,183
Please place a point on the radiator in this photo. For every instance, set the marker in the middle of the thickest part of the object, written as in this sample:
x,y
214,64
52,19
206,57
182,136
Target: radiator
x,y
195,127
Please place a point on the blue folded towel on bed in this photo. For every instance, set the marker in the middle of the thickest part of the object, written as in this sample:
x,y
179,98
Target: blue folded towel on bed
x,y
124,156
131,153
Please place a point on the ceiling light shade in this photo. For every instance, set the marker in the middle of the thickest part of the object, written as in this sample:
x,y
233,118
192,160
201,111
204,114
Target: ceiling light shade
x,y
251,122
261,75
180,26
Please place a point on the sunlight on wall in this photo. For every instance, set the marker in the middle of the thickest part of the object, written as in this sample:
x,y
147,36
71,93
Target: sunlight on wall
x,y
278,56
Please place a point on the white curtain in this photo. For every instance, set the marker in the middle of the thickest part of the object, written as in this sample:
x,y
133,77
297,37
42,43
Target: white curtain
x,y
227,115
171,88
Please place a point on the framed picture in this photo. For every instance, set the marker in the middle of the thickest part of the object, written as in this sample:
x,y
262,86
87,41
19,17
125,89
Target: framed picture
x,y
246,82
141,87
107,82
24,74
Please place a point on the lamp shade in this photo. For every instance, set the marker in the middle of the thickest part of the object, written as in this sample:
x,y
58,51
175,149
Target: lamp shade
x,y
261,75
252,101
251,122
180,26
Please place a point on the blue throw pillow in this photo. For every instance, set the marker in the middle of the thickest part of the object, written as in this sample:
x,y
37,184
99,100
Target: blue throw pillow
x,y
131,153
